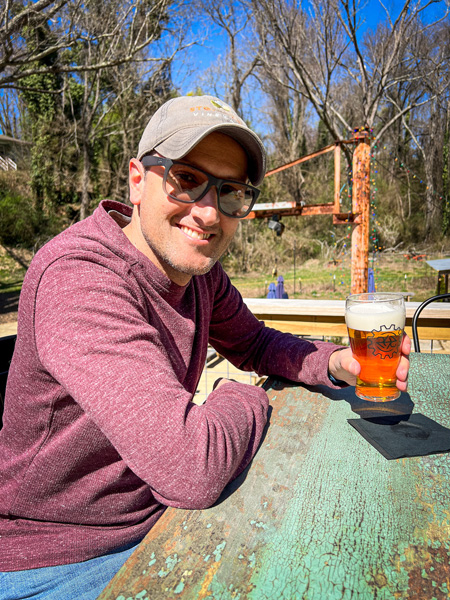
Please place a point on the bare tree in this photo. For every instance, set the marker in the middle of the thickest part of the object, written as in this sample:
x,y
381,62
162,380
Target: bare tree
x,y
286,115
9,113
15,54
330,58
233,70
429,142
126,28
377,79
138,93
98,60
426,126
229,76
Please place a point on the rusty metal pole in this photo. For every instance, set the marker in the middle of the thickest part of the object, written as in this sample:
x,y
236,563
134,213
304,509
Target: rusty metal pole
x,y
337,179
361,210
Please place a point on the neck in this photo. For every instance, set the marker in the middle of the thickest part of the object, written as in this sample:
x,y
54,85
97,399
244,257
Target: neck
x,y
133,232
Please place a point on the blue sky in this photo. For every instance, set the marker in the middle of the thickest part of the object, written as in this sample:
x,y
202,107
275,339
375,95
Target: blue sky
x,y
200,57
188,70
203,55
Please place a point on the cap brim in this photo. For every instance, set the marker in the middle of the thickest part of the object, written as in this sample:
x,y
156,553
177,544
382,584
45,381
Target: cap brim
x,y
182,142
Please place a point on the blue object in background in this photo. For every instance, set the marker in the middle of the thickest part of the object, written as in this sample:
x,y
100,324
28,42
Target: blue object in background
x,y
272,291
371,282
280,292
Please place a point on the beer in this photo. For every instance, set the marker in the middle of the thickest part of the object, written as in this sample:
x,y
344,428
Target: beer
x,y
375,324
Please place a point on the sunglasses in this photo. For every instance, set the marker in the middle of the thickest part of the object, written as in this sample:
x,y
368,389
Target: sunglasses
x,y
188,184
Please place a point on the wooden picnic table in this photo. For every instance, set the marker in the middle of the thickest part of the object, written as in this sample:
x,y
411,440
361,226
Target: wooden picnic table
x,y
319,514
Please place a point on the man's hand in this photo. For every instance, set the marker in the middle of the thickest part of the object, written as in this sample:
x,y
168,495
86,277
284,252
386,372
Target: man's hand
x,y
343,367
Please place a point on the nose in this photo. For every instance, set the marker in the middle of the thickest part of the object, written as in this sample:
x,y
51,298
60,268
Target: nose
x,y
206,210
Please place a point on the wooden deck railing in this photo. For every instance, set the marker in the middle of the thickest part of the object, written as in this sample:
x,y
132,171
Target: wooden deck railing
x,y
320,318
7,164
326,317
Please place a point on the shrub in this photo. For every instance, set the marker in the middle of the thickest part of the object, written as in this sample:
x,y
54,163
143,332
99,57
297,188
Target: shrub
x,y
22,225
18,220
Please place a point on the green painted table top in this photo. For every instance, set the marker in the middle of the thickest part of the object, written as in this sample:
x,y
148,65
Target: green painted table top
x,y
319,515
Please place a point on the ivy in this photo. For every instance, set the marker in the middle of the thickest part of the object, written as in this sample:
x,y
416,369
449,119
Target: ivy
x,y
445,182
41,96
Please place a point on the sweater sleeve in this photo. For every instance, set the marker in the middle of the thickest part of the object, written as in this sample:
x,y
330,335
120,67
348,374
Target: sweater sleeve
x,y
251,346
93,336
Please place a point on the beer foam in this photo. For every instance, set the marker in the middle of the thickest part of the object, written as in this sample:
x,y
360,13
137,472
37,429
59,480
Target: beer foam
x,y
369,316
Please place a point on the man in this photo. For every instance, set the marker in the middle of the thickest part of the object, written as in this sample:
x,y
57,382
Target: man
x,y
100,431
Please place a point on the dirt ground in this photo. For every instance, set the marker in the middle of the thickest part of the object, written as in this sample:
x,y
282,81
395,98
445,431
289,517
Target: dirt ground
x,y
9,303
13,264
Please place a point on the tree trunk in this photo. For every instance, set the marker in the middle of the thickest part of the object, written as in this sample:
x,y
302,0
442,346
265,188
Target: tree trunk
x,y
431,212
85,199
445,177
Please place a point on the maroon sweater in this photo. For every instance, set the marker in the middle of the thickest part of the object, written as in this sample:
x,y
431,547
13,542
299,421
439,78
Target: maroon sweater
x,y
100,433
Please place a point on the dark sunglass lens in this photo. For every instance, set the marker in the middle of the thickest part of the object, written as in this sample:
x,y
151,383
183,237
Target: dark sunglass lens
x,y
187,183
235,201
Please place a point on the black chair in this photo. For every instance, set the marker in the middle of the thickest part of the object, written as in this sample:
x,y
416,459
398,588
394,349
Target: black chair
x,y
417,313
7,345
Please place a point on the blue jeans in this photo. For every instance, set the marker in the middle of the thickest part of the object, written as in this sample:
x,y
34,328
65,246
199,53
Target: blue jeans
x,y
78,581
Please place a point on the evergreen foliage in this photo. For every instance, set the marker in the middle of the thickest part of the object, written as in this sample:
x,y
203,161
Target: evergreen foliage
x,y
40,95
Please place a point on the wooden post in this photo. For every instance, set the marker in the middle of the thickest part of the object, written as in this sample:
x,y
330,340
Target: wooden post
x,y
361,210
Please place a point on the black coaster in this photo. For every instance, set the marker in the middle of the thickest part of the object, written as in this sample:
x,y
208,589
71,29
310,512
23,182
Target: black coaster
x,y
404,435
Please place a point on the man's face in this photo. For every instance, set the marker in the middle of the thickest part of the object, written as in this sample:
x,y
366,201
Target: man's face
x,y
185,239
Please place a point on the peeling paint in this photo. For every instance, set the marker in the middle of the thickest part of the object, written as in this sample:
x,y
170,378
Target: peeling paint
x,y
179,588
259,524
218,551
171,562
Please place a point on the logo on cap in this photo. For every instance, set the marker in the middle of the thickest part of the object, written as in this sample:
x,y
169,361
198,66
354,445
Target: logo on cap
x,y
220,104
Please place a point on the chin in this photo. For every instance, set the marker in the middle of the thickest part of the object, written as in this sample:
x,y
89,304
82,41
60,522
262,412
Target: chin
x,y
197,270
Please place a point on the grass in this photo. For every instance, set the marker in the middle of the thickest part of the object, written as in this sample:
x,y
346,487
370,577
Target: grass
x,y
327,280
13,266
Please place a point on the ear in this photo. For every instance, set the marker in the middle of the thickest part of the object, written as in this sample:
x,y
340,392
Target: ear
x,y
136,179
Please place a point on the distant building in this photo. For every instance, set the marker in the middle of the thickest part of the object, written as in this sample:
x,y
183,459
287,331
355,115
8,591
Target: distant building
x,y
13,153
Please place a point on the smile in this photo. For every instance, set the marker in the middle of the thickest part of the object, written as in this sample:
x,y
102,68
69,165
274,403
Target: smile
x,y
195,234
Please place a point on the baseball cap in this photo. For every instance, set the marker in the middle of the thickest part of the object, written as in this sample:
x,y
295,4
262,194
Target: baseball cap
x,y
181,123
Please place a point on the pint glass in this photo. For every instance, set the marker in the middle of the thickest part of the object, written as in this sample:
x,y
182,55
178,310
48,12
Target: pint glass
x,y
375,324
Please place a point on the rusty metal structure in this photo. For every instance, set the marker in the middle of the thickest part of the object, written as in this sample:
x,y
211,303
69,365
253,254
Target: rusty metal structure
x,y
359,215
361,212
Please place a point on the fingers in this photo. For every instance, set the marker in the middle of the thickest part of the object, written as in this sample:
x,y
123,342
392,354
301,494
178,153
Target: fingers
x,y
406,345
349,363
354,367
402,385
402,374
403,367
343,366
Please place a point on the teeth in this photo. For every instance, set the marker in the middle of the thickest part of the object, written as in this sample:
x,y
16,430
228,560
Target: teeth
x,y
195,234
